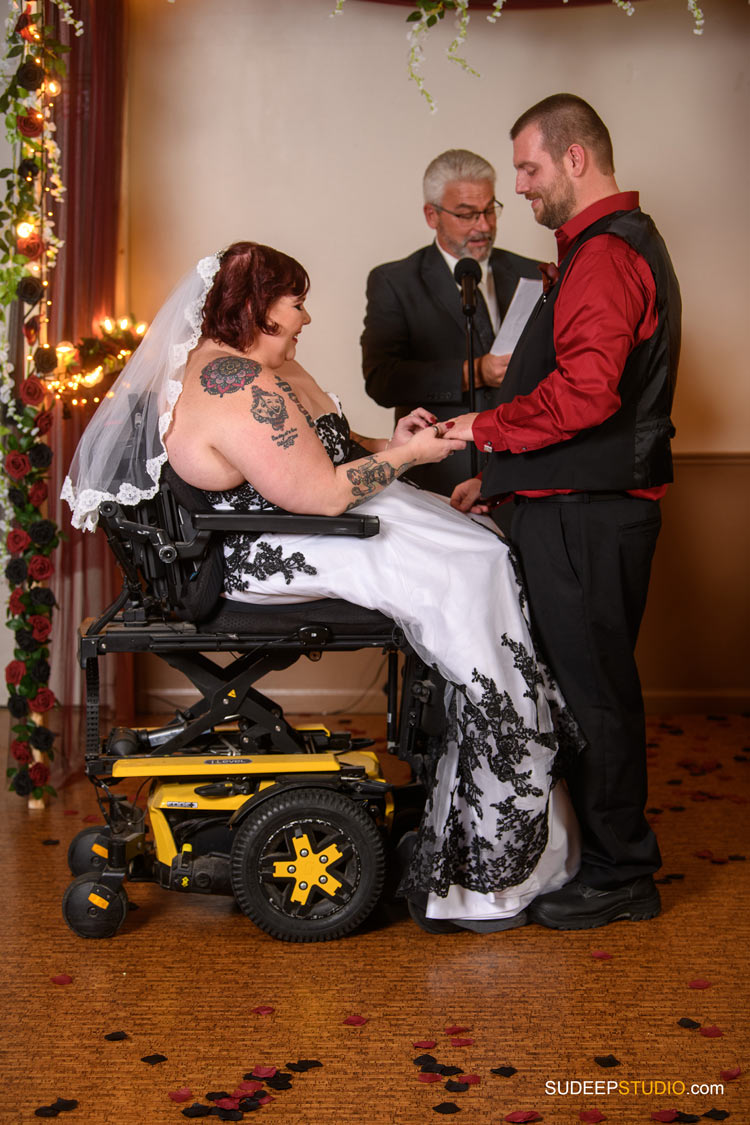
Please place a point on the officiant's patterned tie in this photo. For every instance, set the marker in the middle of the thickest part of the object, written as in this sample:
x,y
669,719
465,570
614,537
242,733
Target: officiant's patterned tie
x,y
483,324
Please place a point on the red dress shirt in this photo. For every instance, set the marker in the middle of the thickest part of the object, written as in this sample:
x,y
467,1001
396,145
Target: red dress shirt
x,y
606,307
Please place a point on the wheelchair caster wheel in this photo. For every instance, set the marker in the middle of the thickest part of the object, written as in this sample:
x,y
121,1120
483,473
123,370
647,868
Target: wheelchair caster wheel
x,y
88,850
307,865
92,909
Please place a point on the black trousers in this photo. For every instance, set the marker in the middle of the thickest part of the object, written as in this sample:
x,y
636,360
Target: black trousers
x,y
587,568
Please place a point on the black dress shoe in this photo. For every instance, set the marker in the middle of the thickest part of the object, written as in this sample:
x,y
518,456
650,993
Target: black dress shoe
x,y
578,907
432,925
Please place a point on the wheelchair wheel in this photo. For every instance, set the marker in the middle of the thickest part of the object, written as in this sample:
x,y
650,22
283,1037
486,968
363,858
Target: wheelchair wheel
x,y
82,855
92,909
307,865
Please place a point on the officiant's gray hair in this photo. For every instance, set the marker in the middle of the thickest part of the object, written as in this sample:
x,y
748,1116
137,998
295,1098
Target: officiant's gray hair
x,y
454,165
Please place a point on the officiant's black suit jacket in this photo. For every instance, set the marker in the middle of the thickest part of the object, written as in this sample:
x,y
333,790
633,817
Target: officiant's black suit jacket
x,y
414,343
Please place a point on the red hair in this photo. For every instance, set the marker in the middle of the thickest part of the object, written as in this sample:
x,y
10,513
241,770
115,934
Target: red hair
x,y
251,278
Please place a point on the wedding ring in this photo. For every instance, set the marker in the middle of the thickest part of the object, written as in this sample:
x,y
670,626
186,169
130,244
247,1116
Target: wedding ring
x,y
436,428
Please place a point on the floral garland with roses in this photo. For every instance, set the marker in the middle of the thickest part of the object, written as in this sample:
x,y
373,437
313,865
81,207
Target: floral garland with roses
x,y
31,71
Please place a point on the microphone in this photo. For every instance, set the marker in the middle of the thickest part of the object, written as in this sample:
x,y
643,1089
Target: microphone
x,y
468,274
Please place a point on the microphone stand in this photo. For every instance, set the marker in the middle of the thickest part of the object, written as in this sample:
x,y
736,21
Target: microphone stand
x,y
469,319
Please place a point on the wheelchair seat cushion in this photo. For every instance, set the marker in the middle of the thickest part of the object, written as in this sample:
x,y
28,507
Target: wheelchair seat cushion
x,y
343,618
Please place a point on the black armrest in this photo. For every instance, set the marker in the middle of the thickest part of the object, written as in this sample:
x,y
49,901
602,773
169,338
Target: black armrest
x,y
361,527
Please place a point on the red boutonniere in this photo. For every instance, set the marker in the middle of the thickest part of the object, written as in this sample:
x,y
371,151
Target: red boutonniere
x,y
550,274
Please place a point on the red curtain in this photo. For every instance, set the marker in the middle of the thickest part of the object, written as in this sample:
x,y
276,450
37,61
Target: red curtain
x,y
89,123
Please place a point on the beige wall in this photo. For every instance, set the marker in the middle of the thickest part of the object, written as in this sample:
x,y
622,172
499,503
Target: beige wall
x,y
268,120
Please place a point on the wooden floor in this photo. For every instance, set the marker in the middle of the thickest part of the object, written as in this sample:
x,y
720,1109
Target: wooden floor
x,y
187,978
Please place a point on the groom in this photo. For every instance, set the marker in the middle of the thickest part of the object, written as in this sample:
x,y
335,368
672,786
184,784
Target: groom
x,y
582,440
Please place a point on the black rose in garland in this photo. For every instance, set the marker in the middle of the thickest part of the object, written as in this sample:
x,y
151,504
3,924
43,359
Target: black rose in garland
x,y
40,455
30,75
45,360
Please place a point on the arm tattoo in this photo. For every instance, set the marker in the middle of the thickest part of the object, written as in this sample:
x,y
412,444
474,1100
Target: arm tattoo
x,y
227,374
284,386
271,408
371,477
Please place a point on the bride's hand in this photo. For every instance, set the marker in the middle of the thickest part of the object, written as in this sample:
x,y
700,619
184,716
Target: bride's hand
x,y
409,425
433,443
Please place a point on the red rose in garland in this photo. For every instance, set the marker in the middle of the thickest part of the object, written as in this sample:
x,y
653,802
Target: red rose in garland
x,y
40,568
15,602
44,700
39,773
18,541
15,672
38,490
43,421
17,465
41,627
31,247
30,126
31,391
20,751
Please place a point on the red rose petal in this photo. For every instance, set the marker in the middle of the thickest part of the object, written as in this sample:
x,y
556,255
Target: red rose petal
x,y
245,1088
264,1071
462,1042
262,1010
665,1115
355,1021
184,1094
472,1079
228,1103
711,1032
61,978
455,1029
591,1115
523,1115
92,818
265,1099
601,955
427,1043
705,854
429,1077
731,1074
70,812
699,983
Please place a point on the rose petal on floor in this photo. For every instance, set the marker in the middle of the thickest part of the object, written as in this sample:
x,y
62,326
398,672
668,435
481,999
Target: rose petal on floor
x,y
699,983
523,1115
355,1021
456,1029
262,1010
61,978
591,1116
152,1060
462,1042
601,955
429,1076
424,1043
691,1024
262,1072
446,1108
731,1074
182,1095
606,1060
711,1032
504,1071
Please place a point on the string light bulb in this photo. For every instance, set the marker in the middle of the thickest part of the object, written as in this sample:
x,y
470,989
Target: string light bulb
x,y
52,87
25,229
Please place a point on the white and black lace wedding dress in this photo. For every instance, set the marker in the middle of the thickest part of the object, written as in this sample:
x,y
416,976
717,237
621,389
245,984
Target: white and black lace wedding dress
x,y
497,830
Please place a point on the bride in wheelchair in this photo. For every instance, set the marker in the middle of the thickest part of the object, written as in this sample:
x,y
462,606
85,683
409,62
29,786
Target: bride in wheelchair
x,y
214,389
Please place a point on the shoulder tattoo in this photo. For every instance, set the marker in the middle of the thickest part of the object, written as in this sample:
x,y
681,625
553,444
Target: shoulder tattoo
x,y
270,408
228,373
282,383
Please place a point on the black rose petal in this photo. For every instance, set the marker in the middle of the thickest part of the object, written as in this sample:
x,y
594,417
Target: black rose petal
x,y
449,1071
302,1065
454,1087
227,1114
63,1105
46,1111
446,1107
675,781
217,1095
18,705
431,1068
279,1081
247,1105
16,572
738,858
42,595
40,671
606,1060
41,739
30,75
28,167
686,1116
40,455
741,758
152,1060
116,1036
49,843
45,360
197,1110
42,532
420,1060
504,1071
690,1024
22,783
29,290
716,1114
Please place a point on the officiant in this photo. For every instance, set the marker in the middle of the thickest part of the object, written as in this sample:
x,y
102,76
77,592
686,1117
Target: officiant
x,y
414,338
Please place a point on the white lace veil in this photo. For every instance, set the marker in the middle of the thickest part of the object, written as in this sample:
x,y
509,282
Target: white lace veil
x,y
121,453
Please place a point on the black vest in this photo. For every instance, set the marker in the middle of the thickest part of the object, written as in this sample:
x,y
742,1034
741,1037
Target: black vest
x,y
631,448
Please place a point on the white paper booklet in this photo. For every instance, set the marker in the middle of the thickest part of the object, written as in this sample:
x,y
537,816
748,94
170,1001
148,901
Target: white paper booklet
x,y
525,297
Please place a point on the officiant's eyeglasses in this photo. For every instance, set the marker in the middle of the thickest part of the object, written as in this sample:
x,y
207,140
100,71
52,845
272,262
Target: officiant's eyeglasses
x,y
492,212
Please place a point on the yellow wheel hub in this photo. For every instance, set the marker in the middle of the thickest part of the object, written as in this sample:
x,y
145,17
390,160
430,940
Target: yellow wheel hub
x,y
309,869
